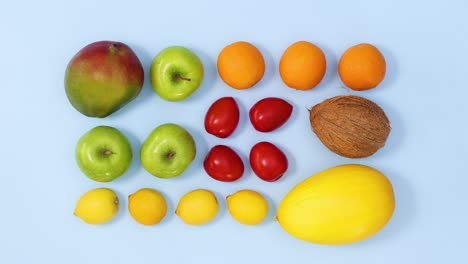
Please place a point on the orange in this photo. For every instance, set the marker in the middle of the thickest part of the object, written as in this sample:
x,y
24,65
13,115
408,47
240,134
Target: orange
x,y
241,65
362,67
147,206
302,65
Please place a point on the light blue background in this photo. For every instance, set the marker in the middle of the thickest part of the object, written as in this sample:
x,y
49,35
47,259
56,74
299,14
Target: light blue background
x,y
424,94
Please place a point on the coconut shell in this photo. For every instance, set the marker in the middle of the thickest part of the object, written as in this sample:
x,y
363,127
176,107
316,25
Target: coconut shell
x,y
350,126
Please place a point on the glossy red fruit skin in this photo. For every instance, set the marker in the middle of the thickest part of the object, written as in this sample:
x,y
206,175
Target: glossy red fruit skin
x,y
223,164
270,113
222,117
268,162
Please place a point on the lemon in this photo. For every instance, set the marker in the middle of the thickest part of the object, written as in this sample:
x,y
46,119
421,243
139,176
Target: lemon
x,y
247,207
197,207
147,206
97,206
340,205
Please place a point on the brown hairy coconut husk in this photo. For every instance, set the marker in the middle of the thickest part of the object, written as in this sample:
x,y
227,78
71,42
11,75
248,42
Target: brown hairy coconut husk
x,y
350,126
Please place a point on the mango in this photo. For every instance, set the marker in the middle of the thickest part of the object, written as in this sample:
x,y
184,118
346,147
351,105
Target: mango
x,y
103,77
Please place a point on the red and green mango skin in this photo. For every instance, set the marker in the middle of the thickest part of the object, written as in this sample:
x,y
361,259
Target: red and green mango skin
x,y
103,77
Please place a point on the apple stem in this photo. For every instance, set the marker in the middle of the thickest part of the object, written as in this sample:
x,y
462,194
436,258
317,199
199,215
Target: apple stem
x,y
180,77
107,152
114,47
170,155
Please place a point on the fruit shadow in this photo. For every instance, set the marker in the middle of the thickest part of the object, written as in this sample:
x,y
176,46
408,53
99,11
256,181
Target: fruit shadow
x,y
332,67
222,208
147,91
406,207
292,163
271,210
397,136
170,209
201,152
209,75
245,160
135,166
123,200
244,120
294,116
270,66
392,71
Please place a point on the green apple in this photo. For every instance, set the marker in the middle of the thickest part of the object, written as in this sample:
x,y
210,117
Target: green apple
x,y
168,151
103,77
103,153
176,72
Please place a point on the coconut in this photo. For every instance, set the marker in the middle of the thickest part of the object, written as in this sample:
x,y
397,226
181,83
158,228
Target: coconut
x,y
350,126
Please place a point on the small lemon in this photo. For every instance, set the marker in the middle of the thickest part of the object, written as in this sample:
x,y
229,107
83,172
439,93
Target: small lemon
x,y
147,206
247,207
197,207
97,206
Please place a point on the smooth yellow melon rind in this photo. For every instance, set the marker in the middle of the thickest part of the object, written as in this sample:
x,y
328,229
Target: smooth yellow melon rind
x,y
340,205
